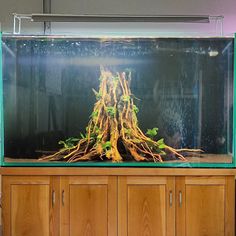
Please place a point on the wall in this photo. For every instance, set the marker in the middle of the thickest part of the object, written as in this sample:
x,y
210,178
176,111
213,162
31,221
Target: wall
x,y
226,8
7,7
155,7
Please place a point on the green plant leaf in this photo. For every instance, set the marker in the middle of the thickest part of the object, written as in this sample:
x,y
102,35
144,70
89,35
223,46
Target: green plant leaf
x,y
94,114
115,81
152,132
69,143
61,142
162,153
108,154
96,129
106,145
111,111
160,141
135,109
99,137
135,140
97,94
162,146
125,98
82,135
74,139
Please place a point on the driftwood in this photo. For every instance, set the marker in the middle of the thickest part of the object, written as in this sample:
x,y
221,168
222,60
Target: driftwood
x,y
113,128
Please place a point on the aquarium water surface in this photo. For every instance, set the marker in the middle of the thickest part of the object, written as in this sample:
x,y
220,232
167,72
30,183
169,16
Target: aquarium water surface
x,y
180,94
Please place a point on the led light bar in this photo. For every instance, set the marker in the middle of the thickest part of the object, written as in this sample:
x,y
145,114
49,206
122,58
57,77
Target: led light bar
x,y
119,18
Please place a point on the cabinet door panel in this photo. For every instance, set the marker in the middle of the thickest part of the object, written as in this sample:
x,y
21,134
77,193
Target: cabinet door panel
x,y
146,207
30,210
203,208
88,210
89,206
146,210
27,206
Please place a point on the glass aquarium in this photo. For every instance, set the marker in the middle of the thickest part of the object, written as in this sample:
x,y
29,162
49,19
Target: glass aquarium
x,y
117,101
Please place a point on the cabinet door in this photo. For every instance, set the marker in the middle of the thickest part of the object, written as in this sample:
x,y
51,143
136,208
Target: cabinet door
x,y
205,206
28,204
146,206
89,206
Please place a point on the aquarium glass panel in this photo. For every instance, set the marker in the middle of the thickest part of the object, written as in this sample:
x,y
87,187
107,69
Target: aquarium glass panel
x,y
117,101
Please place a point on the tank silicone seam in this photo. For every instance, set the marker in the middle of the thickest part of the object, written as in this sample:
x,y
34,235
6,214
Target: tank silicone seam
x,y
234,102
1,102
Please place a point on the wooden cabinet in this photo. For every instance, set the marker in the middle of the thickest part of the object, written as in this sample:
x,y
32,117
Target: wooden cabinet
x,y
118,205
146,206
205,206
27,206
53,206
89,206
181,206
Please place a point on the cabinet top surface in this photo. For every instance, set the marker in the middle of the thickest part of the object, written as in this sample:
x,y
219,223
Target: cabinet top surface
x,y
114,171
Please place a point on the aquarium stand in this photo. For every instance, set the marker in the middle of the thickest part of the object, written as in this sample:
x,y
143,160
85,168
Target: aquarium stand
x,y
118,201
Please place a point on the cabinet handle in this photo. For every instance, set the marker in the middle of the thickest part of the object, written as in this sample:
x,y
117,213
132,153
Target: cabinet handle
x,y
180,199
171,198
63,197
53,198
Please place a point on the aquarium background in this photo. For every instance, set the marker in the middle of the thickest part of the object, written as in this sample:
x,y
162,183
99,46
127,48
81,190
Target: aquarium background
x,y
183,86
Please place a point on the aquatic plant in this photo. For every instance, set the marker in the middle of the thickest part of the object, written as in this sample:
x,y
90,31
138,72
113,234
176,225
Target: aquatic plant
x,y
113,129
152,132
69,143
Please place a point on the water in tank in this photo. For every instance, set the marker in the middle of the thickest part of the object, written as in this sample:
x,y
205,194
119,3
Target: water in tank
x,y
117,101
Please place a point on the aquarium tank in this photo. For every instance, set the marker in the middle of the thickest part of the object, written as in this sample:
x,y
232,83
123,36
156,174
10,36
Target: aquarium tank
x,y
117,101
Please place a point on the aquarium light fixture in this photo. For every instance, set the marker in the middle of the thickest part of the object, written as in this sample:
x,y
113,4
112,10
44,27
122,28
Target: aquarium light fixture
x,y
17,19
120,18
38,17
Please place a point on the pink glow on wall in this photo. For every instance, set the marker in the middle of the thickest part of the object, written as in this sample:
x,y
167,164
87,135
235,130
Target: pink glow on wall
x,y
230,24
